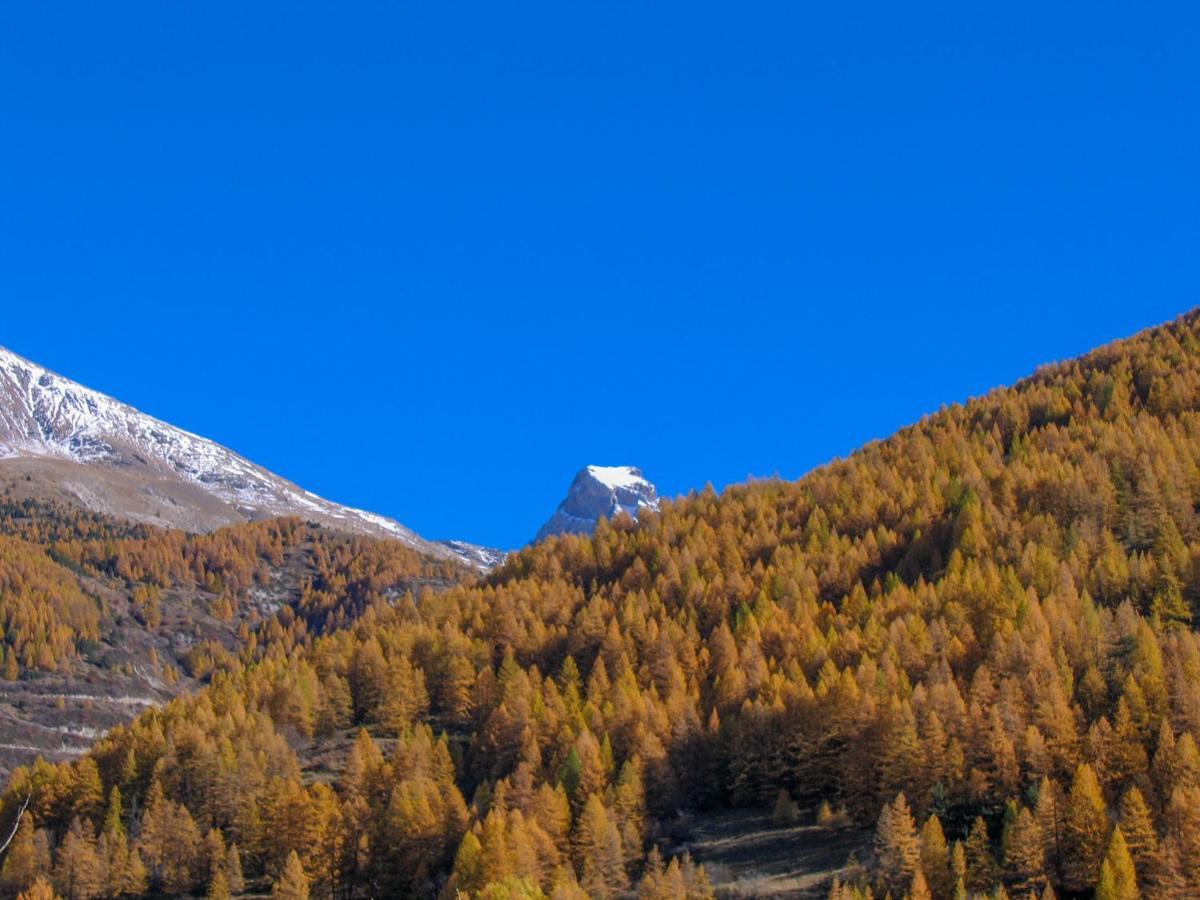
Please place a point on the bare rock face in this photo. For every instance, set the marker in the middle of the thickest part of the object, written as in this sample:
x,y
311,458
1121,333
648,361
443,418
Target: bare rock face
x,y
600,491
75,443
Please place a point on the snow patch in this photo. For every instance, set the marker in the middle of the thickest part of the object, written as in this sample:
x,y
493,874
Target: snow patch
x,y
618,476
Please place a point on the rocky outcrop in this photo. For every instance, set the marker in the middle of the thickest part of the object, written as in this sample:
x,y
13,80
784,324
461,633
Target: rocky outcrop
x,y
600,491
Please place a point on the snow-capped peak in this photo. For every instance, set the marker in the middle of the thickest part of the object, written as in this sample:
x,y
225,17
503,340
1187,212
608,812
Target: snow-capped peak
x,y
618,476
142,468
601,491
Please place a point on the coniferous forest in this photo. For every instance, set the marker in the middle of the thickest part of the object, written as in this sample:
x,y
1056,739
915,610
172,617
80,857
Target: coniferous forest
x,y
975,638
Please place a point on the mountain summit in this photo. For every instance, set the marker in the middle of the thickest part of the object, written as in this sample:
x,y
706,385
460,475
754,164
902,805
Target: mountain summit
x,y
600,491
65,440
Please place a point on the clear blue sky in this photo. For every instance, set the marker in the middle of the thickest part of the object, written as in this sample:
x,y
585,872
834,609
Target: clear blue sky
x,y
431,259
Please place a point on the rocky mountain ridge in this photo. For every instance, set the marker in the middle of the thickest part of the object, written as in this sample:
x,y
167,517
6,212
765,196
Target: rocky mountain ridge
x,y
60,438
600,491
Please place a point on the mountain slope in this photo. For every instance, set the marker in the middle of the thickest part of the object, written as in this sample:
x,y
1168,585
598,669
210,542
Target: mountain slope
x,y
981,627
60,436
104,618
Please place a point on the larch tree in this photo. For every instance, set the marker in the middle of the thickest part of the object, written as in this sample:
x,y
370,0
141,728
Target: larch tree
x,y
629,807
1118,877
114,818
213,853
919,889
935,859
958,870
87,791
1050,813
654,885
79,871
233,870
40,889
27,858
494,862
1137,827
598,847
1024,860
292,883
1085,832
1183,828
467,875
218,887
897,847
982,871
1166,879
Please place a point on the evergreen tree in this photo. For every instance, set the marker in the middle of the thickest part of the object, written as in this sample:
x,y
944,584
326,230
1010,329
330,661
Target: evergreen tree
x,y
135,879
467,875
919,890
629,808
1137,828
213,852
695,879
169,843
292,883
982,871
1118,878
652,885
40,889
1050,813
87,791
897,848
113,851
218,888
935,860
786,813
958,870
599,851
1024,866
78,872
1166,879
1085,831
233,870
27,858
1183,828
113,817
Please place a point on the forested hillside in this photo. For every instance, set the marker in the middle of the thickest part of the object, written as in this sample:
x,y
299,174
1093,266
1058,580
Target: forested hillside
x,y
51,554
102,618
977,634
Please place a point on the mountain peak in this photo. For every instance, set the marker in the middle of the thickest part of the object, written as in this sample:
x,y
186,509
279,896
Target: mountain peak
x,y
600,491
62,437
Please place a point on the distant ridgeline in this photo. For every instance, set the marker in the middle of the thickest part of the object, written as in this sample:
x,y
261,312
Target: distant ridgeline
x,y
975,636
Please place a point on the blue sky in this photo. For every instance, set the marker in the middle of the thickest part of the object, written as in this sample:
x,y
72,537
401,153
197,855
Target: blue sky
x,y
431,259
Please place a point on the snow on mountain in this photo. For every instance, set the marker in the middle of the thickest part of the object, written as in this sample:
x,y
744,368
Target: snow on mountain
x,y
600,491
619,477
117,460
484,558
